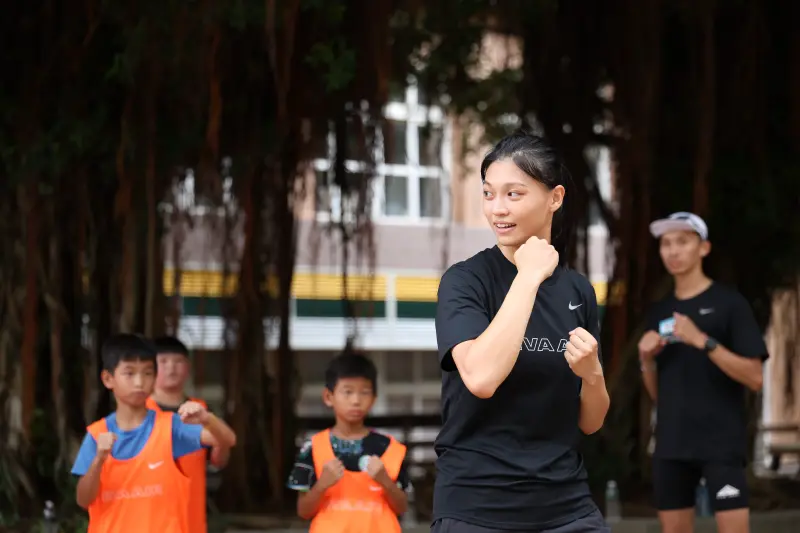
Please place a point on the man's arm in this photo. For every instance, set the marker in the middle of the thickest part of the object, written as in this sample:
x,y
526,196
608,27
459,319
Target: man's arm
x,y
395,496
89,466
220,456
308,502
217,434
744,366
650,378
89,484
745,370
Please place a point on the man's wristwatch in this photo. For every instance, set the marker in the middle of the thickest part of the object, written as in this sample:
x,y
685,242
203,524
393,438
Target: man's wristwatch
x,y
710,345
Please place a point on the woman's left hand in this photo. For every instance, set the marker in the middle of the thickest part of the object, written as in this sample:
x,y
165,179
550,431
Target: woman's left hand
x,y
581,355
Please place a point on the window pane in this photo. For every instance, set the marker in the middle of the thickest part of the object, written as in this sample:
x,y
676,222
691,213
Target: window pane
x,y
395,196
431,371
322,192
399,367
399,404
430,197
430,145
357,197
394,142
311,367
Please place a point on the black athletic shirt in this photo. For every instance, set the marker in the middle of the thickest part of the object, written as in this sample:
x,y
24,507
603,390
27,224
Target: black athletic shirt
x,y
700,410
510,461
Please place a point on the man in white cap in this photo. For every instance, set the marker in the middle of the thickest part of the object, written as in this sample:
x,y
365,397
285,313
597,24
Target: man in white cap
x,y
701,348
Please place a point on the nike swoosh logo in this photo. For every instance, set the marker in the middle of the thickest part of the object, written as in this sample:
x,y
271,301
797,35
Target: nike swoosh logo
x,y
574,307
153,466
373,488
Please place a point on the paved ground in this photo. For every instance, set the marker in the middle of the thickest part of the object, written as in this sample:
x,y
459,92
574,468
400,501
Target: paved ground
x,y
772,522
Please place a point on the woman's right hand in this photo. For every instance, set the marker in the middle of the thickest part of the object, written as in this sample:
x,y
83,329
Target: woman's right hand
x,y
536,259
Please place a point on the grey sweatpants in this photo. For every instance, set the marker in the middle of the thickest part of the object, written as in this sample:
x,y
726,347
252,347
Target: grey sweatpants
x,y
592,523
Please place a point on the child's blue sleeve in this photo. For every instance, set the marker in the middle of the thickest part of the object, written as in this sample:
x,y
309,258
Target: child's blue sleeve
x,y
85,456
185,437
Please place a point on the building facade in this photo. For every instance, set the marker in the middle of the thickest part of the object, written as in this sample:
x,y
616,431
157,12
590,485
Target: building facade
x,y
427,215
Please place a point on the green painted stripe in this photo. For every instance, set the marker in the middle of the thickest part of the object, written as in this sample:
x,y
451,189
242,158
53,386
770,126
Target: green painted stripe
x,y
416,309
336,309
195,306
198,306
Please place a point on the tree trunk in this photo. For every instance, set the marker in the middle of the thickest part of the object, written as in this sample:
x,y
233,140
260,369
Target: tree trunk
x,y
29,200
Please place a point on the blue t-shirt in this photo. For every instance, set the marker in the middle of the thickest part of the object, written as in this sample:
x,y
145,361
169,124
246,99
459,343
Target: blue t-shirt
x,y
185,440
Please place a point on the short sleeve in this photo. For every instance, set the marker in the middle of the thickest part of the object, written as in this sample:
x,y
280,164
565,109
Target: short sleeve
x,y
302,476
86,455
461,314
403,477
185,437
746,337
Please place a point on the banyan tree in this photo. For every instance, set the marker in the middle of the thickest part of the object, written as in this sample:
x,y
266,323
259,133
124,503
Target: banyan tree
x,y
107,106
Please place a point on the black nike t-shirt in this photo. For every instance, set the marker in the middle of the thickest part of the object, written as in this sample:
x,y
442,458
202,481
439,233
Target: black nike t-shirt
x,y
510,461
700,411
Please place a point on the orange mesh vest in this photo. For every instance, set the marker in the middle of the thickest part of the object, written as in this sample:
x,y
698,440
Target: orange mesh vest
x,y
194,466
355,504
145,493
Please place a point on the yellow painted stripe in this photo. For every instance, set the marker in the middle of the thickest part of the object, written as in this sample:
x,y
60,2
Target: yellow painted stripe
x,y
307,286
331,286
199,283
415,289
601,291
408,289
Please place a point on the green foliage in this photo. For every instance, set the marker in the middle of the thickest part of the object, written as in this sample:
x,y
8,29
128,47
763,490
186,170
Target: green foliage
x,y
335,61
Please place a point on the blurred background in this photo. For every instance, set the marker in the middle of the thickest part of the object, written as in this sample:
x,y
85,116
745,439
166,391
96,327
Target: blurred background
x,y
273,181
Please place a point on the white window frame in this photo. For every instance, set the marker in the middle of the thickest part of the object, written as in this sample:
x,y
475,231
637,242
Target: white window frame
x,y
414,116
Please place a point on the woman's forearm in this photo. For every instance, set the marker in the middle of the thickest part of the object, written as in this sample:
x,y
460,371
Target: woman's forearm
x,y
594,406
486,362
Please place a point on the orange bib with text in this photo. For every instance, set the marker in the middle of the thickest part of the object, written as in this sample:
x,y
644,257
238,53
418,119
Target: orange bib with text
x,y
145,493
356,503
194,466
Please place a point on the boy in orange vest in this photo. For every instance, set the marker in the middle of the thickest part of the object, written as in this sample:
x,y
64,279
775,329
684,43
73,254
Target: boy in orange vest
x,y
350,479
169,395
129,479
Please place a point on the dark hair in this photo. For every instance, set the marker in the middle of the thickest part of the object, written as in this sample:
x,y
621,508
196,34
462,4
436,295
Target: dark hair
x,y
351,365
126,347
170,344
538,159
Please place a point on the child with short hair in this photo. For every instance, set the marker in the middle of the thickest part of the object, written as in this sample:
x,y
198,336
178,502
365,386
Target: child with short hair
x,y
169,394
351,479
129,480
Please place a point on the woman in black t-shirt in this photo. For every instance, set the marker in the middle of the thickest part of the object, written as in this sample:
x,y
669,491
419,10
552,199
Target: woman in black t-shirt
x,y
522,374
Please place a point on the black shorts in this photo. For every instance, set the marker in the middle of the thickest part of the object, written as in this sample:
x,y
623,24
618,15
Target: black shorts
x,y
675,483
592,523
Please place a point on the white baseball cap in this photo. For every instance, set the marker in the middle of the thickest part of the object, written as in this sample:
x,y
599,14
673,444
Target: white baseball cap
x,y
681,221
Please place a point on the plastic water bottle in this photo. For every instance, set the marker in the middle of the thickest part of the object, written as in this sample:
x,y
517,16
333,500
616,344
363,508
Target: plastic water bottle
x,y
410,517
50,523
702,504
613,511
